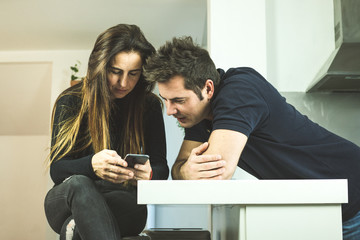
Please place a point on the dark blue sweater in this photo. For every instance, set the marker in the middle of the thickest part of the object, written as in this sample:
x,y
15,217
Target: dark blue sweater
x,y
282,143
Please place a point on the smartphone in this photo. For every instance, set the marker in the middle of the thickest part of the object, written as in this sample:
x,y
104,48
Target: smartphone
x,y
133,159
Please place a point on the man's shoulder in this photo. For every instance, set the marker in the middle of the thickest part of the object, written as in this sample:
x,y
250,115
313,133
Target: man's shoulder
x,y
237,80
241,73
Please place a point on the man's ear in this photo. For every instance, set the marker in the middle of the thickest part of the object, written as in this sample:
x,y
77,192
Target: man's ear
x,y
209,87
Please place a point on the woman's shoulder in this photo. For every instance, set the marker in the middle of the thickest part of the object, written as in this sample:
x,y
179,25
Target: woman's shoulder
x,y
153,104
69,98
68,101
152,100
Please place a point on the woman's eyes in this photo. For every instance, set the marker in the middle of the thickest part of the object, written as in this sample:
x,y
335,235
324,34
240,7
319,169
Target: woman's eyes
x,y
116,72
132,74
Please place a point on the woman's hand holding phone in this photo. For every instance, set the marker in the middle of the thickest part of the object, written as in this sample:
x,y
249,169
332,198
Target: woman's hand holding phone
x,y
108,165
141,165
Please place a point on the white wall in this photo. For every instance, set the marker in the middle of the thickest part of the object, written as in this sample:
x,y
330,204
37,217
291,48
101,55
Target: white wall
x,y
23,185
24,180
300,38
285,40
237,33
61,61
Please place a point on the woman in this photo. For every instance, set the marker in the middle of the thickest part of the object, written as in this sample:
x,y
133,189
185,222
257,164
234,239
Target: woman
x,y
94,125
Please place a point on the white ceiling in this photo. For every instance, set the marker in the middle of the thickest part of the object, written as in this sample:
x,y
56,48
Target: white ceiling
x,y
75,24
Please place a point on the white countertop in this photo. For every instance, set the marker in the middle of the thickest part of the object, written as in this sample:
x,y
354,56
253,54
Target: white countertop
x,y
242,191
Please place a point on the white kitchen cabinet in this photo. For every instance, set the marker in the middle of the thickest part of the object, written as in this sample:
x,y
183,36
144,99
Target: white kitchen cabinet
x,y
258,209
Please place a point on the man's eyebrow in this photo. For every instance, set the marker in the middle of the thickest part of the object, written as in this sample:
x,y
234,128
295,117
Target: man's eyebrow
x,y
173,99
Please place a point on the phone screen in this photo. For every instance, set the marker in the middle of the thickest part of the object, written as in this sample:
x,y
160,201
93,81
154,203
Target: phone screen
x,y
133,159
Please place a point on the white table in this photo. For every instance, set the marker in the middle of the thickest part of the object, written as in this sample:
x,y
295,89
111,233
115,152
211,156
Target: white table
x,y
259,209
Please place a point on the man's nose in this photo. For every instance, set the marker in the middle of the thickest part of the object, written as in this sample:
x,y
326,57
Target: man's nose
x,y
170,109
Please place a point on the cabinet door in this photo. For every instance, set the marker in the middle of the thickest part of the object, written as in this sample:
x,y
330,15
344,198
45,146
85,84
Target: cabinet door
x,y
295,222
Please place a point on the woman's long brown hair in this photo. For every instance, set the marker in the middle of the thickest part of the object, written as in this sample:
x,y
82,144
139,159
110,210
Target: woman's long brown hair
x,y
96,101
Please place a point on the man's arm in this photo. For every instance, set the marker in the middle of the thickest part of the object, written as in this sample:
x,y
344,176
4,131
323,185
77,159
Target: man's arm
x,y
214,160
191,164
183,155
229,144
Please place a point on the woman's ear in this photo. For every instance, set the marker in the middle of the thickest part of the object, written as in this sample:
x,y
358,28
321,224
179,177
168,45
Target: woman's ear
x,y
209,87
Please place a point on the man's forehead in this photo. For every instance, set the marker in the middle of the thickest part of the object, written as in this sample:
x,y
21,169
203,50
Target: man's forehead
x,y
176,80
174,88
174,83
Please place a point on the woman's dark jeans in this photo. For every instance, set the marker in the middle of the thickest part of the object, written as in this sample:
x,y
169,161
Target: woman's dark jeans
x,y
100,209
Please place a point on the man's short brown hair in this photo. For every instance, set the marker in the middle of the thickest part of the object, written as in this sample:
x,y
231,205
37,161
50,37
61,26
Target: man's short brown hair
x,y
181,57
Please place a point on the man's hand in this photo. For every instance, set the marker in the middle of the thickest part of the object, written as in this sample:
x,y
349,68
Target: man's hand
x,y
202,166
217,159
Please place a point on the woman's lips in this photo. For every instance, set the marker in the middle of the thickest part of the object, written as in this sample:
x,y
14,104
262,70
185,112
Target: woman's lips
x,y
120,90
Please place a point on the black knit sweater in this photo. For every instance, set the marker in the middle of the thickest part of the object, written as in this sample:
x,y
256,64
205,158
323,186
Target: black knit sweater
x,y
80,163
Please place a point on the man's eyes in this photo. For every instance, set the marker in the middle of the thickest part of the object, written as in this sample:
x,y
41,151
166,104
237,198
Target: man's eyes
x,y
179,101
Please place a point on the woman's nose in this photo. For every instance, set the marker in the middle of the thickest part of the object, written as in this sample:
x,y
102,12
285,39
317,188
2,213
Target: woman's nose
x,y
123,80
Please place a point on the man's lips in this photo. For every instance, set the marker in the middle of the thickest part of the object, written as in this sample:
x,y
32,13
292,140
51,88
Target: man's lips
x,y
180,119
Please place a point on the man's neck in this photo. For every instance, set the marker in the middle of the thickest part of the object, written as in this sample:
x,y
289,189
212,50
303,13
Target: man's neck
x,y
209,113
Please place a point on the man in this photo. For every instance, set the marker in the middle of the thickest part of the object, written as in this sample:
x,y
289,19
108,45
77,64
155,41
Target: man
x,y
237,118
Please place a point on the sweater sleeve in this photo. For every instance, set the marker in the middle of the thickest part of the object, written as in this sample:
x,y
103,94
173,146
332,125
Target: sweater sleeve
x,y
155,139
71,164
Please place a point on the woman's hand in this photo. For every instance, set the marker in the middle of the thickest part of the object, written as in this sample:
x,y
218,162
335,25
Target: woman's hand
x,y
108,165
142,172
